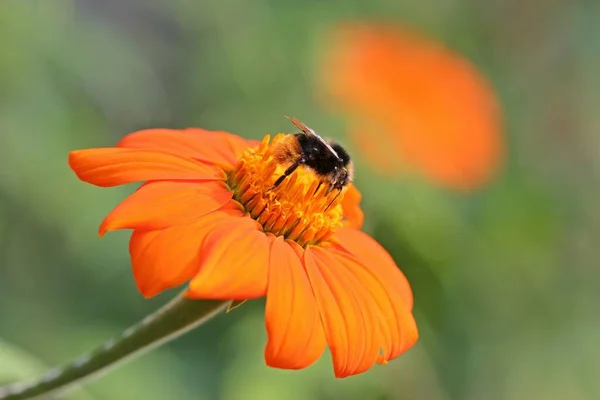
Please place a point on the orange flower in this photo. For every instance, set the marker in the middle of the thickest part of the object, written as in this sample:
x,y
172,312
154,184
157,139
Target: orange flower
x,y
206,215
414,104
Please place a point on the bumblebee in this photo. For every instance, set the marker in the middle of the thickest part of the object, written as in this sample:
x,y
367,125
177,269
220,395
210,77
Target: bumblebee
x,y
327,159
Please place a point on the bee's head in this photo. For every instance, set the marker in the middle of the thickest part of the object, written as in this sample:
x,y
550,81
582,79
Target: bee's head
x,y
343,173
341,176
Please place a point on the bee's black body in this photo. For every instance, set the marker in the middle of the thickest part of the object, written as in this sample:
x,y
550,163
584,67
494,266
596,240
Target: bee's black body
x,y
328,160
318,157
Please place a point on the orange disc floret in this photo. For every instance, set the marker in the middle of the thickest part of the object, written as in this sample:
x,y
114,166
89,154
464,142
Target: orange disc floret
x,y
414,104
301,209
208,214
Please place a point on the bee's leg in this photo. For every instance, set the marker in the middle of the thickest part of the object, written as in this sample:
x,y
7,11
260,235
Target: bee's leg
x,y
288,171
332,201
333,184
318,186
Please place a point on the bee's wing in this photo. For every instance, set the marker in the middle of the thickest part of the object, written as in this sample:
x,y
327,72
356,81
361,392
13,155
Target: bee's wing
x,y
300,125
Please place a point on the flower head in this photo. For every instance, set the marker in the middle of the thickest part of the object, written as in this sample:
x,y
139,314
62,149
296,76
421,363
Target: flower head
x,y
208,214
414,104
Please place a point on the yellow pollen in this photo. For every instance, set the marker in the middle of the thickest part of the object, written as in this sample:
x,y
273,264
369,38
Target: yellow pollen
x,y
299,209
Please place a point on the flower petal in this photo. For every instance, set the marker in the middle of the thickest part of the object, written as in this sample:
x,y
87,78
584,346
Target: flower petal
x,y
236,144
112,166
166,258
348,314
427,106
216,147
234,263
160,204
377,259
296,337
394,322
351,205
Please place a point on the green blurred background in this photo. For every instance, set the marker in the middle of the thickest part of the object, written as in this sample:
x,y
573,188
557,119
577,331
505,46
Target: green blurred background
x,y
505,279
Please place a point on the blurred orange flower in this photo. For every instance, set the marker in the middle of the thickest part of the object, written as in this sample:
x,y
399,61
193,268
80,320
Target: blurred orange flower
x,y
414,104
206,215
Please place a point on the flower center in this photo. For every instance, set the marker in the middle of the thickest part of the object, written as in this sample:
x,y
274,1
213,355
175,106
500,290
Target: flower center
x,y
299,209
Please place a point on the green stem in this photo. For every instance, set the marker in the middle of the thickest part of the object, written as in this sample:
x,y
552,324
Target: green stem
x,y
172,320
